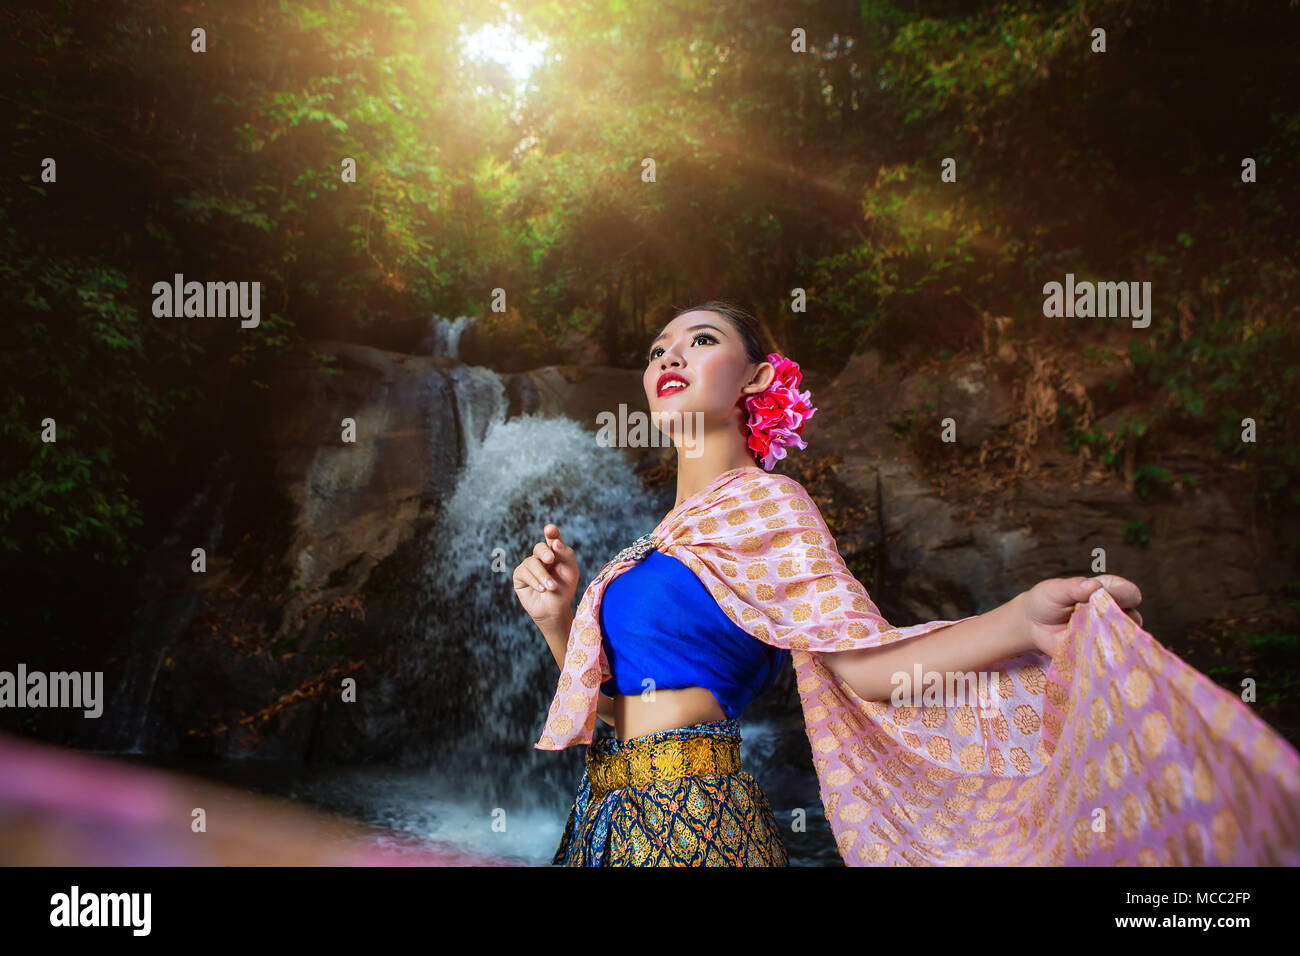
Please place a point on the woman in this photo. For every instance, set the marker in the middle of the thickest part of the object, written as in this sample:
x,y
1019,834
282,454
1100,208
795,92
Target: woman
x,y
1088,742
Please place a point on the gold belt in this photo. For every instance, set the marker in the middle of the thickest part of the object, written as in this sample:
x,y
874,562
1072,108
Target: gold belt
x,y
638,762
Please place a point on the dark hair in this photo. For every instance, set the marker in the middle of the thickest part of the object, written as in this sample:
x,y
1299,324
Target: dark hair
x,y
741,320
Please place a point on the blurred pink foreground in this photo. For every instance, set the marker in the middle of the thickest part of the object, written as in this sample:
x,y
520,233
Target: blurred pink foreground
x,y
60,807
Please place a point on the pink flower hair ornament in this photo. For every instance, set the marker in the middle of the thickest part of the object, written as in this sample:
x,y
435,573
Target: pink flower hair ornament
x,y
778,413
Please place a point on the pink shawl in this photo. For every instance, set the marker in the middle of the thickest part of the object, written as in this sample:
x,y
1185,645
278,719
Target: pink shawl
x,y
1112,752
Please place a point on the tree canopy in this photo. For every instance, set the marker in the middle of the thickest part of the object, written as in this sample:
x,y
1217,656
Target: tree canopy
x,y
775,168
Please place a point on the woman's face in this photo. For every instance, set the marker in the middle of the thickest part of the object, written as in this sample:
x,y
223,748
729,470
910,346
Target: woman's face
x,y
707,352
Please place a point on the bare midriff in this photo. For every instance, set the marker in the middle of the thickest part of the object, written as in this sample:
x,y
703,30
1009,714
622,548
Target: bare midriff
x,y
670,709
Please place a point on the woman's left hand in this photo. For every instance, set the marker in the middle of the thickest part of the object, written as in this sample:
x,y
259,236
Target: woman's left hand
x,y
1049,605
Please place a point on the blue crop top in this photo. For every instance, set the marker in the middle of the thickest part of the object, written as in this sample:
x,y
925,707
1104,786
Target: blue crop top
x,y
658,620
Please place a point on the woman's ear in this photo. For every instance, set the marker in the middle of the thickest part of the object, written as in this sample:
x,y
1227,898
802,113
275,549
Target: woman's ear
x,y
761,379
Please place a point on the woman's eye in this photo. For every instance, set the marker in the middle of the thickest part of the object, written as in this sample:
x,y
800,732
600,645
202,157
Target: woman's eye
x,y
699,335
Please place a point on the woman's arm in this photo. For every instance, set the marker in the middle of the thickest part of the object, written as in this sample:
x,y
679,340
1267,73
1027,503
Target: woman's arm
x,y
557,638
965,646
1033,620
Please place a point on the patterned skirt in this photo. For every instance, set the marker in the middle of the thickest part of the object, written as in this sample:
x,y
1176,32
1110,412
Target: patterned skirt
x,y
672,798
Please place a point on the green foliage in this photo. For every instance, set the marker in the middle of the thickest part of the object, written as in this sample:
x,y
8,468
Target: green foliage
x,y
1146,478
224,165
1136,533
76,369
1107,443
1272,657
1236,361
775,171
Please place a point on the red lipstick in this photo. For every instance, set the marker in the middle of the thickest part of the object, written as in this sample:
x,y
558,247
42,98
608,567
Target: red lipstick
x,y
667,377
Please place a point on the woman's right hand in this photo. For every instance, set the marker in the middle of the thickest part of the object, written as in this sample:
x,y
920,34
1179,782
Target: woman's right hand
x,y
546,580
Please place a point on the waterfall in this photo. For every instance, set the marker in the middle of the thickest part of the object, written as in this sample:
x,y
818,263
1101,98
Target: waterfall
x,y
444,335
523,474
480,396
516,476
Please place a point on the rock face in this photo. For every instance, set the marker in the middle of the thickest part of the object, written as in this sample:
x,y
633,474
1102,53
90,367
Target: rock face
x,y
355,503
318,546
958,556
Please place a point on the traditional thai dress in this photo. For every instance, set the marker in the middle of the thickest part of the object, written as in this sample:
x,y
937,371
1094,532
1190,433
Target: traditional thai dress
x,y
1112,751
677,797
